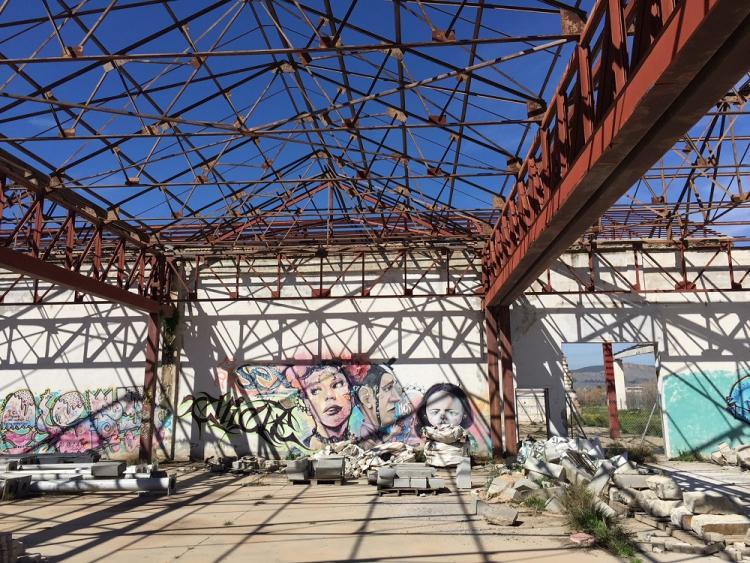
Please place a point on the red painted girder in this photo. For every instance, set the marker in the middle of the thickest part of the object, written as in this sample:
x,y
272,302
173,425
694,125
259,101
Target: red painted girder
x,y
41,270
696,58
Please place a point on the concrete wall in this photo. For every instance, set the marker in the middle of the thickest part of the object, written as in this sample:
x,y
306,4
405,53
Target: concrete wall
x,y
245,366
71,376
701,338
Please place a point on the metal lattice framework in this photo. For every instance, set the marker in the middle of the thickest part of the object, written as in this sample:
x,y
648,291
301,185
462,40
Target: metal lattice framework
x,y
137,135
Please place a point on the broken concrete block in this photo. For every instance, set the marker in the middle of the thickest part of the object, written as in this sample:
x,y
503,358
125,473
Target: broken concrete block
x,y
743,456
630,481
601,478
409,470
526,485
402,483
330,467
655,506
497,486
681,517
511,495
729,454
418,483
628,468
499,514
463,474
435,483
549,470
385,477
710,502
605,509
717,458
725,524
575,474
298,469
554,506
665,487
628,497
550,492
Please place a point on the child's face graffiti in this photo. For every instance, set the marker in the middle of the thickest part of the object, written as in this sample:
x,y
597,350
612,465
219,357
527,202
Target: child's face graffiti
x,y
444,408
328,395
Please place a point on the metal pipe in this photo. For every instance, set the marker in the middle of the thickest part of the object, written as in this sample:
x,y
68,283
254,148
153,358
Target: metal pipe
x,y
161,484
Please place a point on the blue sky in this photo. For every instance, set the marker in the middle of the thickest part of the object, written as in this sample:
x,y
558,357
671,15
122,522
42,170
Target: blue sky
x,y
590,354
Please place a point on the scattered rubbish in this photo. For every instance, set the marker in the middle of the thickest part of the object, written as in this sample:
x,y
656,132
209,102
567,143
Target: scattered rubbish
x,y
446,445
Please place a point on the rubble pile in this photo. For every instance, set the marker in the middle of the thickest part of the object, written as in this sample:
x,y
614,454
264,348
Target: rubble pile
x,y
242,465
694,522
446,445
726,455
358,462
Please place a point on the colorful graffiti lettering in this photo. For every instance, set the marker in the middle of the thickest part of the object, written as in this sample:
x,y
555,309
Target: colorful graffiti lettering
x,y
107,420
307,407
738,400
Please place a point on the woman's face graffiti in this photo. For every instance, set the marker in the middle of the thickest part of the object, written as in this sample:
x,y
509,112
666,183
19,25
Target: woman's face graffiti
x,y
328,395
444,408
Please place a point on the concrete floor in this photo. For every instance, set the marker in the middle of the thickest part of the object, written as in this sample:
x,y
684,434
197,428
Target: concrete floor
x,y
227,518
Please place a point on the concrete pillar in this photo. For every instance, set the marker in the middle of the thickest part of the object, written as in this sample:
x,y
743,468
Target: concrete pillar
x,y
145,451
620,391
509,390
493,376
609,379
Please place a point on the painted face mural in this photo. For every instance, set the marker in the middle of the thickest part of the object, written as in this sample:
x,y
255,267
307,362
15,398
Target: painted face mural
x,y
328,395
302,408
445,403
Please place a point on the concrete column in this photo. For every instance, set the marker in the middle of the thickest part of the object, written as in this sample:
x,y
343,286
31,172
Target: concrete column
x,y
509,390
622,394
145,451
609,379
493,376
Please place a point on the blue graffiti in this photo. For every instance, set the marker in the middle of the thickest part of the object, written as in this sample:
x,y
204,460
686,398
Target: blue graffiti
x,y
738,400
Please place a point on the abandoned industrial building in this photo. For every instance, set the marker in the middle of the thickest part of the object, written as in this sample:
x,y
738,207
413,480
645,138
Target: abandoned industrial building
x,y
374,280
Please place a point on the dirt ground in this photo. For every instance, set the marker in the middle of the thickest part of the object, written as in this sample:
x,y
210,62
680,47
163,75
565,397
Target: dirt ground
x,y
228,518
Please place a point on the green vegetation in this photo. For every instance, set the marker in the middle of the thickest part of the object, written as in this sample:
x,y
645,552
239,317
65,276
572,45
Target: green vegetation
x,y
689,456
535,503
584,516
632,421
636,454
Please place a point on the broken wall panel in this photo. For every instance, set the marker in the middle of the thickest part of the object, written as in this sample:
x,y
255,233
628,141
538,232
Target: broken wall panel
x,y
701,339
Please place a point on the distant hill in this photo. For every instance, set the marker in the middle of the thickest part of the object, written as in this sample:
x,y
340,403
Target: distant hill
x,y
593,376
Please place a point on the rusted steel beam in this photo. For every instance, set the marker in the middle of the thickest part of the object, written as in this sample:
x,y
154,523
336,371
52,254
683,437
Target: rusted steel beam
x,y
693,61
153,332
39,269
493,378
609,379
510,424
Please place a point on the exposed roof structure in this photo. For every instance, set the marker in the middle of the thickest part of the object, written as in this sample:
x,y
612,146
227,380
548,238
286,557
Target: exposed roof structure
x,y
301,126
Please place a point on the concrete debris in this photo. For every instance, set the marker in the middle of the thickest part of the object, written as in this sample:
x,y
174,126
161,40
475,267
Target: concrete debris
x,y
710,502
446,445
631,481
653,505
497,514
463,474
627,497
410,476
726,455
725,524
544,469
358,462
665,487
681,517
601,478
554,506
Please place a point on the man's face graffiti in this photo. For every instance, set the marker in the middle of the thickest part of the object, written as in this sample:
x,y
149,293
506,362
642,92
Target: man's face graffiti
x,y
328,395
444,408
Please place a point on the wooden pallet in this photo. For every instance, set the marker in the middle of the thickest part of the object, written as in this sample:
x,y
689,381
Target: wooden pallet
x,y
399,491
319,482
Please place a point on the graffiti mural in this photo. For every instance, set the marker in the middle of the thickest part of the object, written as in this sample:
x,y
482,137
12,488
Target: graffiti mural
x,y
304,408
738,400
105,419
